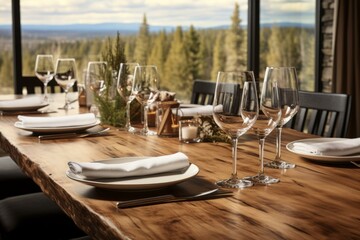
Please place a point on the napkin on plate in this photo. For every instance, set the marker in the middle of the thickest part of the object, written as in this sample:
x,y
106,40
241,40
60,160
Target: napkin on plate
x,y
193,111
341,147
57,121
22,102
139,167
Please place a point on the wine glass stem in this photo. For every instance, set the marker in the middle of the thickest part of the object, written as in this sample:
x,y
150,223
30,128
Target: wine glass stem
x,y
278,143
127,124
146,128
261,155
234,142
66,100
45,91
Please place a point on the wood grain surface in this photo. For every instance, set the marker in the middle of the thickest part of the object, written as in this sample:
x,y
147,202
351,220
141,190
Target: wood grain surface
x,y
313,201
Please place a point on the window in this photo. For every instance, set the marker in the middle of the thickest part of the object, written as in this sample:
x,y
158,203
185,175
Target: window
x,y
210,37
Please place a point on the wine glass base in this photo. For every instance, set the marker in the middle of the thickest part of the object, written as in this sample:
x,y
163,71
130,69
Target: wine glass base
x,y
279,164
147,132
234,183
263,179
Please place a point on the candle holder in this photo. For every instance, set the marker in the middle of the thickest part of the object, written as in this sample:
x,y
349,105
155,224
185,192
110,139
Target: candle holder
x,y
189,131
167,118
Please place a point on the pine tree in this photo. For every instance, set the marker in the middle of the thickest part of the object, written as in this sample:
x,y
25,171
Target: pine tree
x,y
159,52
219,57
142,43
235,58
176,76
192,44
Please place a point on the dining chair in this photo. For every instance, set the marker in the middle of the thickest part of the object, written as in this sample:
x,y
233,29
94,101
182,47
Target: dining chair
x,y
323,114
203,93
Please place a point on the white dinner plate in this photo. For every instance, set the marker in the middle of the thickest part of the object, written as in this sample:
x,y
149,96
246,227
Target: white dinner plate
x,y
155,181
57,129
322,158
22,108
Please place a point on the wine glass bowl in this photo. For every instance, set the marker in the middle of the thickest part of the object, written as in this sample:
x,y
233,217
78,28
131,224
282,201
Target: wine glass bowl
x,y
145,85
235,110
124,88
95,79
65,76
287,83
44,71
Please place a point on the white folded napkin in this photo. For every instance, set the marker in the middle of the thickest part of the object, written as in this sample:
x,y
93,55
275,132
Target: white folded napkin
x,y
58,121
22,102
202,110
334,148
140,167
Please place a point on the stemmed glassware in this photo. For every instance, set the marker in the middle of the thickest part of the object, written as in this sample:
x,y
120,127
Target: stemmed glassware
x,y
65,76
44,71
145,85
124,86
269,117
95,79
235,110
287,83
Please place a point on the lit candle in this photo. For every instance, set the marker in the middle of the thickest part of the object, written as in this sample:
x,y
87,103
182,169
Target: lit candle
x,y
189,132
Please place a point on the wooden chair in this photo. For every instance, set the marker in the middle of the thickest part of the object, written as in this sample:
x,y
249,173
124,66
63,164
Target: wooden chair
x,y
323,114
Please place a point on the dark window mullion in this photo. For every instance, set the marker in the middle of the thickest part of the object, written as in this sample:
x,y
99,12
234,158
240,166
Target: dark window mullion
x,y
17,56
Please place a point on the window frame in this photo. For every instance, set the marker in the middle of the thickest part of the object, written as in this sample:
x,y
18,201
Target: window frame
x,y
253,44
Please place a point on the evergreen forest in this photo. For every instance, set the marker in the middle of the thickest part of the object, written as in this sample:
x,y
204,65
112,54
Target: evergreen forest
x,y
182,55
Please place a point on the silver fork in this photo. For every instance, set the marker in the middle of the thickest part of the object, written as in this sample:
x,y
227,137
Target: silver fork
x,y
162,199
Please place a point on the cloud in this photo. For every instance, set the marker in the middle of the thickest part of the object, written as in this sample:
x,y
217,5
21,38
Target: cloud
x,y
200,13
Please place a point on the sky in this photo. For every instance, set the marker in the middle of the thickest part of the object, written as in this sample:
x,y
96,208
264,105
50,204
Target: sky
x,y
200,13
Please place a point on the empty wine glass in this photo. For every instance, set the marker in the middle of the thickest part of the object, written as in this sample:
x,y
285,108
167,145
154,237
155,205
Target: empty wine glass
x,y
235,109
65,76
124,86
287,83
145,85
95,79
44,71
269,117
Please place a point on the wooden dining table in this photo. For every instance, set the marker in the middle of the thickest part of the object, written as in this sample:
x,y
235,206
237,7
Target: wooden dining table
x,y
315,200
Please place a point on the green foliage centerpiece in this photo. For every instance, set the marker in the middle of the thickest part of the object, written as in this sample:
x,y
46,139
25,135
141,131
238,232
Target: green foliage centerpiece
x,y
111,105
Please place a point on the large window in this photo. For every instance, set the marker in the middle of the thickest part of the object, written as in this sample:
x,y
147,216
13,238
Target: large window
x,y
287,37
187,40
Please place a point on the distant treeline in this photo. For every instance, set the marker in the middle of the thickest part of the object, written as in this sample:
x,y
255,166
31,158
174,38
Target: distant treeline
x,y
181,55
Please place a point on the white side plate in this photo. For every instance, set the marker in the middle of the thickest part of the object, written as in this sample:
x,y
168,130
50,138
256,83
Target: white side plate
x,y
322,158
57,129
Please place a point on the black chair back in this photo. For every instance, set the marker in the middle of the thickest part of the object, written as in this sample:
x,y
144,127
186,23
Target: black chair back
x,y
323,114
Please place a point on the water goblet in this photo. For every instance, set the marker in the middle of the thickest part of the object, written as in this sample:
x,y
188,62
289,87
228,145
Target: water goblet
x,y
287,83
124,86
65,76
235,110
95,79
145,85
44,71
268,118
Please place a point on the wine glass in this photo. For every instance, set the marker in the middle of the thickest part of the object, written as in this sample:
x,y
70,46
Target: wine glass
x,y
44,71
235,109
145,85
65,76
287,83
123,86
269,117
95,79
